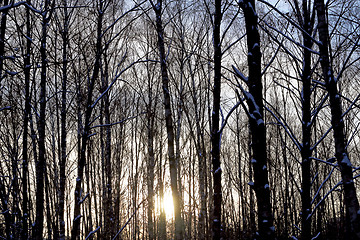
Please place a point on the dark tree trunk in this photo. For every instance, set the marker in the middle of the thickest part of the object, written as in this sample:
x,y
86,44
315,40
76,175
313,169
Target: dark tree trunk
x,y
215,134
151,175
63,157
109,229
257,125
350,198
306,152
2,40
27,67
75,231
41,163
169,123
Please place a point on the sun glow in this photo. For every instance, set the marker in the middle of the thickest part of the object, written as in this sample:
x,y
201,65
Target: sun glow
x,y
167,205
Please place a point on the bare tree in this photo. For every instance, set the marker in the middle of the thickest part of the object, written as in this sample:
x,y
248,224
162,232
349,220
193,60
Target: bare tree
x,y
254,99
78,198
350,198
169,121
41,163
215,120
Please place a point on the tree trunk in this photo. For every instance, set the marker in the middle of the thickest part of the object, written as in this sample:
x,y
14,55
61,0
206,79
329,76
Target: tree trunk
x,y
215,117
75,232
41,163
257,125
27,67
350,198
306,152
63,157
169,123
2,40
109,229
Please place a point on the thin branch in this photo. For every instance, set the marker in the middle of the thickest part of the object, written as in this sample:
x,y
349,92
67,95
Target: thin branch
x,y
137,208
119,122
92,233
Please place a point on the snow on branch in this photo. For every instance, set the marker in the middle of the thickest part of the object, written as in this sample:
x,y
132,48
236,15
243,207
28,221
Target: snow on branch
x,y
329,161
239,74
326,195
13,5
127,222
116,78
92,233
286,128
290,39
119,122
84,198
224,122
290,21
322,184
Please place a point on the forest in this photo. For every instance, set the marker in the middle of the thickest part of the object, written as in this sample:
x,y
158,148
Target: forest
x,y
180,119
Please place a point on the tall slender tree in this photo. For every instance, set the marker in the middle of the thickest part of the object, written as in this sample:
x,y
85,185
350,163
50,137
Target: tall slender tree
x,y
306,20
63,157
215,121
75,231
41,162
158,8
27,68
255,104
337,122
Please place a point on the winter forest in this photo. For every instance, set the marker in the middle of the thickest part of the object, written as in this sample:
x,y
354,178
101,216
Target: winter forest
x,y
180,119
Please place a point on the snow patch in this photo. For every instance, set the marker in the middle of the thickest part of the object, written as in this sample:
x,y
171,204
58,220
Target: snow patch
x,y
346,160
77,217
260,122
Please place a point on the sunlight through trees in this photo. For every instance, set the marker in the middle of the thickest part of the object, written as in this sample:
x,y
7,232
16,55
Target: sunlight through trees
x,y
186,119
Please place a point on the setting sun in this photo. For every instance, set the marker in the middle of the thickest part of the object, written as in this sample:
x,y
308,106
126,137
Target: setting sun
x,y
167,205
